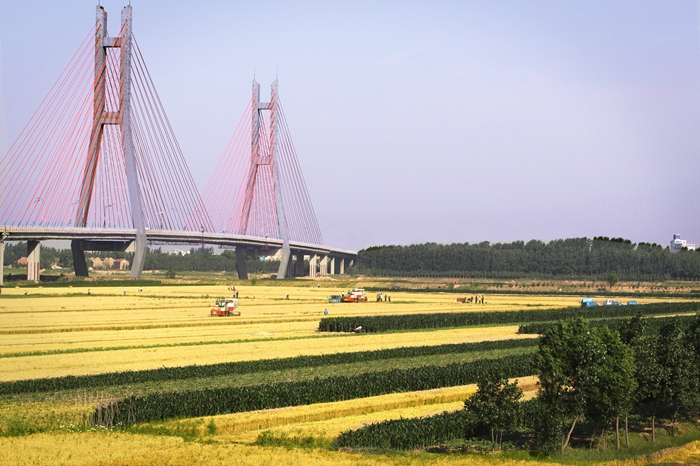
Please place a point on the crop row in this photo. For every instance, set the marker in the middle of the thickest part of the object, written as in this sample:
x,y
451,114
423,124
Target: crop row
x,y
411,433
209,402
539,328
247,367
463,319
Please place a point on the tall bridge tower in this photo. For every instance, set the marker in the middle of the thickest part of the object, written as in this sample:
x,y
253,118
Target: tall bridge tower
x,y
98,162
268,158
112,110
269,198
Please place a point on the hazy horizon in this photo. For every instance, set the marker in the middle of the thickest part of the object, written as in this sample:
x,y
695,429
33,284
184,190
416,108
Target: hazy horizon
x,y
416,122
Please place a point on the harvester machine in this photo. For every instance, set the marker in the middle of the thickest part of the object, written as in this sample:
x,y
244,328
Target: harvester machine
x,y
225,307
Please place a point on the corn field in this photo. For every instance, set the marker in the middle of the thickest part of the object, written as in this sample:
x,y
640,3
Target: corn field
x,y
209,402
464,319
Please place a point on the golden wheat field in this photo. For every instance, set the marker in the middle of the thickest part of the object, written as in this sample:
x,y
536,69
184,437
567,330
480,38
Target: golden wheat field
x,y
58,331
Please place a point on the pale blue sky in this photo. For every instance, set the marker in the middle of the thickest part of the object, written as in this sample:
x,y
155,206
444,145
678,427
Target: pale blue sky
x,y
423,121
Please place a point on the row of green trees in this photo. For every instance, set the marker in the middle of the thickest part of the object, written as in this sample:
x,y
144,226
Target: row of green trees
x,y
49,256
576,257
588,375
602,375
200,259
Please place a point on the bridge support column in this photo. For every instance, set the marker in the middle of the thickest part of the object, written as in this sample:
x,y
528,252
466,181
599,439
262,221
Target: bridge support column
x,y
342,266
140,247
290,266
240,264
299,265
33,260
79,262
312,266
324,266
2,263
284,262
332,265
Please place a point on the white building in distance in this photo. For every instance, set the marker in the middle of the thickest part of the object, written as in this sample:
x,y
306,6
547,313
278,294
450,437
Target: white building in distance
x,y
677,244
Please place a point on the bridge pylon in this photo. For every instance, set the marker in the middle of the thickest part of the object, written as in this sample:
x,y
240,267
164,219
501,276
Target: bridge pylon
x,y
119,115
258,189
98,162
270,158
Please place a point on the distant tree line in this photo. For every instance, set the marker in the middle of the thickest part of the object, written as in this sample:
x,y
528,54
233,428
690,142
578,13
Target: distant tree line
x,y
200,259
595,258
49,256
203,259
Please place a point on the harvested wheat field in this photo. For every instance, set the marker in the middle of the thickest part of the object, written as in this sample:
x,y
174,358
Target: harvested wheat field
x,y
161,341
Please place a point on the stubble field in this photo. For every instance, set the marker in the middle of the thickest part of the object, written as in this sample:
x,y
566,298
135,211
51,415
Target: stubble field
x,y
60,331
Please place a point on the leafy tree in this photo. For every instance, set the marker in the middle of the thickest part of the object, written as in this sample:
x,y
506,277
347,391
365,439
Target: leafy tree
x,y
47,259
612,279
610,381
65,258
496,405
650,375
560,360
631,330
680,388
693,334
582,371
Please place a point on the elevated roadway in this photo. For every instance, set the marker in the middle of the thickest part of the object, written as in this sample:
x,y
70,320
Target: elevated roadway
x,y
323,260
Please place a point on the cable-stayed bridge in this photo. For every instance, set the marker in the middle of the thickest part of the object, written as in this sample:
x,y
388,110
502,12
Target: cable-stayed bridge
x,y
98,164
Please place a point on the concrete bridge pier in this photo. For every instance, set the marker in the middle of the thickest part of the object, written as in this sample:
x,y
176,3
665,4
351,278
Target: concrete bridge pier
x,y
341,266
290,267
79,263
2,262
240,264
299,265
312,266
332,266
324,266
33,260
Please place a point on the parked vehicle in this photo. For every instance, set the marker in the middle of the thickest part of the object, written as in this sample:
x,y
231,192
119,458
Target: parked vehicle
x,y
334,298
588,302
611,302
632,303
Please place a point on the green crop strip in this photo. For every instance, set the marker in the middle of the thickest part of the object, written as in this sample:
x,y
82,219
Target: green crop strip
x,y
246,367
412,433
108,393
375,324
652,324
208,402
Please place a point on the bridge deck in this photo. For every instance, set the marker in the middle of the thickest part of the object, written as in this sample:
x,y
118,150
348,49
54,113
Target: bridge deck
x,y
164,237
